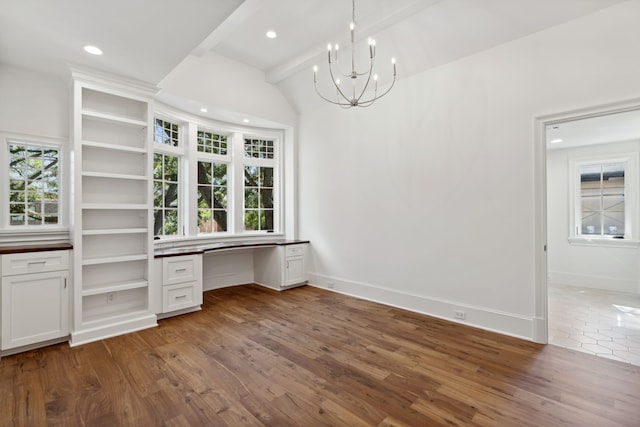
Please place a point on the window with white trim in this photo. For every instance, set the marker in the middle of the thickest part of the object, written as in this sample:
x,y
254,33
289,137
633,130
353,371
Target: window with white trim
x,y
604,203
226,179
213,166
33,183
259,184
167,178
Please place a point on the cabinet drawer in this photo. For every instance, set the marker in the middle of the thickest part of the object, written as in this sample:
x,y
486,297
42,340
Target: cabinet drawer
x,y
183,295
34,262
294,250
181,269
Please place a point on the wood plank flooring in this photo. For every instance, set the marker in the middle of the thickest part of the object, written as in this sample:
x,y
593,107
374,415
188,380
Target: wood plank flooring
x,y
309,357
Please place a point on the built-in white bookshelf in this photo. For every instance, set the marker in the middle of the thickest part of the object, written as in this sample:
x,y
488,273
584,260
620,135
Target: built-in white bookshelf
x,y
112,217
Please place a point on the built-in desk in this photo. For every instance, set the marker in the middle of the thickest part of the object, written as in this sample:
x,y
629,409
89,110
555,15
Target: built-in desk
x,y
187,271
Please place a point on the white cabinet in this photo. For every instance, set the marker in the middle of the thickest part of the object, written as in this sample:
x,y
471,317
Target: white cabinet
x,y
181,282
281,267
112,229
34,298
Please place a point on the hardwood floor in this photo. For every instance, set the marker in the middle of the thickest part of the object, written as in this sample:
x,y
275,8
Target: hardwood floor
x,y
309,357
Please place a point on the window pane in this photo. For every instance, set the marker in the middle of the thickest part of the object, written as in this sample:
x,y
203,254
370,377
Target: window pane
x,y
170,223
171,168
204,196
204,172
266,198
251,200
266,177
251,220
171,195
591,224
220,197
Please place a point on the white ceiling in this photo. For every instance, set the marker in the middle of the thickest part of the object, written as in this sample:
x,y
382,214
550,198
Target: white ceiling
x,y
146,39
614,127
140,39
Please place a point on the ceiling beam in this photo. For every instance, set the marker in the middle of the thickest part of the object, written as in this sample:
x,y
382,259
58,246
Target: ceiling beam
x,y
247,9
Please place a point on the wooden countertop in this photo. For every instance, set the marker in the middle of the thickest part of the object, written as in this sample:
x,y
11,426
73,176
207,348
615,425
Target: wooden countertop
x,y
18,249
219,246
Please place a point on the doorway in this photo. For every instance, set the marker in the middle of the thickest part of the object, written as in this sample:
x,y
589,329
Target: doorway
x,y
592,232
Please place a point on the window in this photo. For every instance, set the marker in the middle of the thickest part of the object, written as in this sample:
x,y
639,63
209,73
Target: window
x,y
213,179
167,178
258,198
212,197
604,202
602,199
166,170
259,184
34,184
165,132
209,142
259,148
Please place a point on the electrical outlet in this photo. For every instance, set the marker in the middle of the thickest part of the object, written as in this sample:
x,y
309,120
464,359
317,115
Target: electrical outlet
x,y
111,297
459,314
330,284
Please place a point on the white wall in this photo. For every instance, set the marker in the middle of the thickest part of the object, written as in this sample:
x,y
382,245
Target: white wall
x,y
426,200
33,103
228,89
603,267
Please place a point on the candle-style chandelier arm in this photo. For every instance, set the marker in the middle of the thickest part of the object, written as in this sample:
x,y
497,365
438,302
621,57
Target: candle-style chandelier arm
x,y
333,80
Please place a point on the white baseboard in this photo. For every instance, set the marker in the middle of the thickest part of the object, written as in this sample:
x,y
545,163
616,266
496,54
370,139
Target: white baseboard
x,y
97,333
591,281
492,320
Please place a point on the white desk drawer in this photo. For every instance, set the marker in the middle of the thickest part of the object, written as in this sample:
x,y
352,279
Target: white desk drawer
x,y
183,295
294,250
181,269
34,262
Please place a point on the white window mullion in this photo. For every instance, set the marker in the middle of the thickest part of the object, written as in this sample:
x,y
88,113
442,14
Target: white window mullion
x,y
237,183
191,211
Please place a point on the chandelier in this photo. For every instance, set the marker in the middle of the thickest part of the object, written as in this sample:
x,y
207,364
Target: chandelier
x,y
355,95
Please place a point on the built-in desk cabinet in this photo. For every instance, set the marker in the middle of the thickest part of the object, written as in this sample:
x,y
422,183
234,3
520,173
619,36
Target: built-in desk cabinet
x,y
281,267
34,298
181,283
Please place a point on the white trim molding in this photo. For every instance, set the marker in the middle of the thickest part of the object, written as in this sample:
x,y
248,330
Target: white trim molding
x,y
480,317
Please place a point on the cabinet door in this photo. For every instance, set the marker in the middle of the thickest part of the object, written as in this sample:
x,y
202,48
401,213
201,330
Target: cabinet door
x,y
294,271
34,308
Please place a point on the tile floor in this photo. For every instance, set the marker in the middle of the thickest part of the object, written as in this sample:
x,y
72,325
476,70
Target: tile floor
x,y
595,321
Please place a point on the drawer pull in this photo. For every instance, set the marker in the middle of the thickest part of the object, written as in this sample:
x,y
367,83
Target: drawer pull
x,y
37,262
181,296
181,269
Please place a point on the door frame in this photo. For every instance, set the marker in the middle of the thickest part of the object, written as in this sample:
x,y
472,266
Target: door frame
x,y
540,322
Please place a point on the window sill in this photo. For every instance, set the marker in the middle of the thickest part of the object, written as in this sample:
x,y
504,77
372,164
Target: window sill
x,y
26,235
604,242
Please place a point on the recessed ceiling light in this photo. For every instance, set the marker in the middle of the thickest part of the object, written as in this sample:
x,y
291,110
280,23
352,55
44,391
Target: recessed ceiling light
x,y
203,110
93,50
272,34
556,141
245,120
